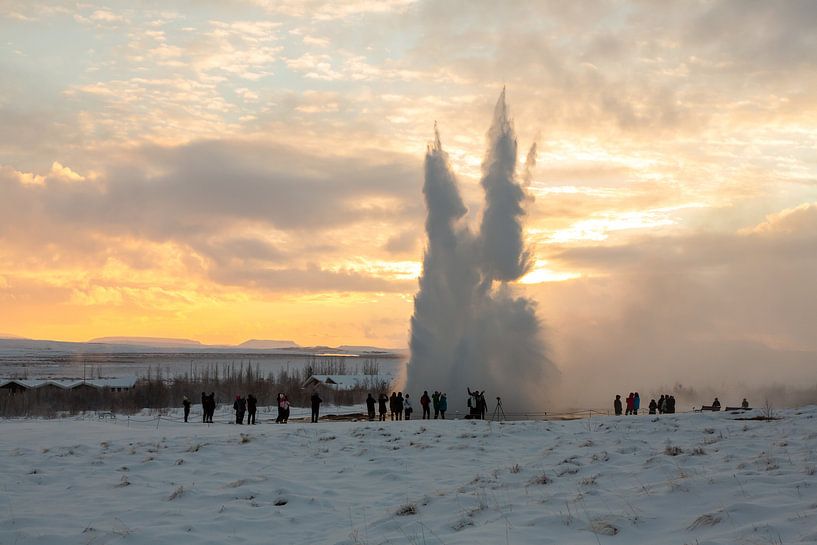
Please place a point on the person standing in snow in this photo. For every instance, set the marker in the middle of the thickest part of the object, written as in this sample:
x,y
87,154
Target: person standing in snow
x,y
186,405
382,401
316,406
425,401
279,401
636,403
398,406
443,405
653,406
617,405
370,407
716,404
629,402
393,405
670,404
203,407
240,407
211,406
252,406
435,400
407,407
662,404
744,404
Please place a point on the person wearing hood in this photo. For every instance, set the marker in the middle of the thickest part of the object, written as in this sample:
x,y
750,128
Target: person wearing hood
x,y
653,406
636,403
617,405
186,405
425,401
370,407
443,405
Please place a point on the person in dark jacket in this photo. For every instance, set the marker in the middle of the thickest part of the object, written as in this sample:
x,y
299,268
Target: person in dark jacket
x,y
393,405
370,407
240,406
316,406
252,406
443,405
186,405
617,405
279,403
211,407
398,406
629,402
382,402
435,400
203,407
662,404
716,404
671,405
636,403
653,406
744,404
425,401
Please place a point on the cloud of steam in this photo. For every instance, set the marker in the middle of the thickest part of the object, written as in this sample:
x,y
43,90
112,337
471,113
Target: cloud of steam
x,y
465,332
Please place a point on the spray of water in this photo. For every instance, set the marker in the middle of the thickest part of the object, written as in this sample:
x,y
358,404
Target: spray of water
x,y
469,329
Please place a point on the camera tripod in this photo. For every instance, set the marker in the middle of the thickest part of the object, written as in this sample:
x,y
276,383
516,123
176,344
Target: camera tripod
x,y
499,412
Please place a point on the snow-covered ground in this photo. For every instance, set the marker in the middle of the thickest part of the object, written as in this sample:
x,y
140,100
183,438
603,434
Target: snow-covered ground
x,y
680,479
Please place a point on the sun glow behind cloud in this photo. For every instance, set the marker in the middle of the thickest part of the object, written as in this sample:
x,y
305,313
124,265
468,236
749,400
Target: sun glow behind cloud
x,y
254,170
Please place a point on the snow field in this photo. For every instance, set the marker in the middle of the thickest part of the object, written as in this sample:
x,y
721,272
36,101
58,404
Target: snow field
x,y
686,479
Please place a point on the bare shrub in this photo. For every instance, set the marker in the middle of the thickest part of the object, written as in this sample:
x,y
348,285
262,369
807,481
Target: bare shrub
x,y
406,509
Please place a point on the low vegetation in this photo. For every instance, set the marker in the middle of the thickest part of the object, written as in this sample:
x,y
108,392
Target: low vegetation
x,y
158,391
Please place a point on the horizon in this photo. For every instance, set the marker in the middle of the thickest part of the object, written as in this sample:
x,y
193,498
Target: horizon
x,y
254,170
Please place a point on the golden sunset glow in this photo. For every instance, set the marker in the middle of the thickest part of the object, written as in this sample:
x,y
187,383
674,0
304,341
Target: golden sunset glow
x,y
254,169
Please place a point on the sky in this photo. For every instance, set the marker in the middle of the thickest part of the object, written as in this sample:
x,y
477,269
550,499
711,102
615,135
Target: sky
x,y
226,170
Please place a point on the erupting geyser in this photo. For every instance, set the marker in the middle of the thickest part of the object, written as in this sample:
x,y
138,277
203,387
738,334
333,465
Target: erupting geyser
x,y
468,328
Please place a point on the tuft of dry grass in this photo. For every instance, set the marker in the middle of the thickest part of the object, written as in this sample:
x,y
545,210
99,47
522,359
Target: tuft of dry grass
x,y
703,521
406,509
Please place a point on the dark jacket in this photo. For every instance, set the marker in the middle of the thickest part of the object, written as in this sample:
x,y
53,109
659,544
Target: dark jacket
x,y
316,400
425,400
370,402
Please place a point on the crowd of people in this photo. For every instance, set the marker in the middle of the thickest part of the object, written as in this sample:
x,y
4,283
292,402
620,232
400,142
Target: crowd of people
x,y
664,405
399,406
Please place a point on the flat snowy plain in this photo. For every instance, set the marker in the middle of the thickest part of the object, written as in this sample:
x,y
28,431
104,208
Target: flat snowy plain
x,y
684,478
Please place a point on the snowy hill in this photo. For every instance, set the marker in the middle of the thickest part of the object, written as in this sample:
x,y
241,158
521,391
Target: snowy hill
x,y
685,478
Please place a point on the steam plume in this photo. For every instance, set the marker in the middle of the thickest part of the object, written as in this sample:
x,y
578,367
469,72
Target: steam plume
x,y
466,331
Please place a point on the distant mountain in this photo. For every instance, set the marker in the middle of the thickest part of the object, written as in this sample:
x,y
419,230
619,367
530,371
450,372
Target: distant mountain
x,y
263,344
10,336
368,349
158,342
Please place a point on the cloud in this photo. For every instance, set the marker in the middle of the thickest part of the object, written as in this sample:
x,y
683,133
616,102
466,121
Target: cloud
x,y
717,311
257,208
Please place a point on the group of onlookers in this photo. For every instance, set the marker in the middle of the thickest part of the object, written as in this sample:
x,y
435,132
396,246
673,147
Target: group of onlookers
x,y
248,405
664,405
399,406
